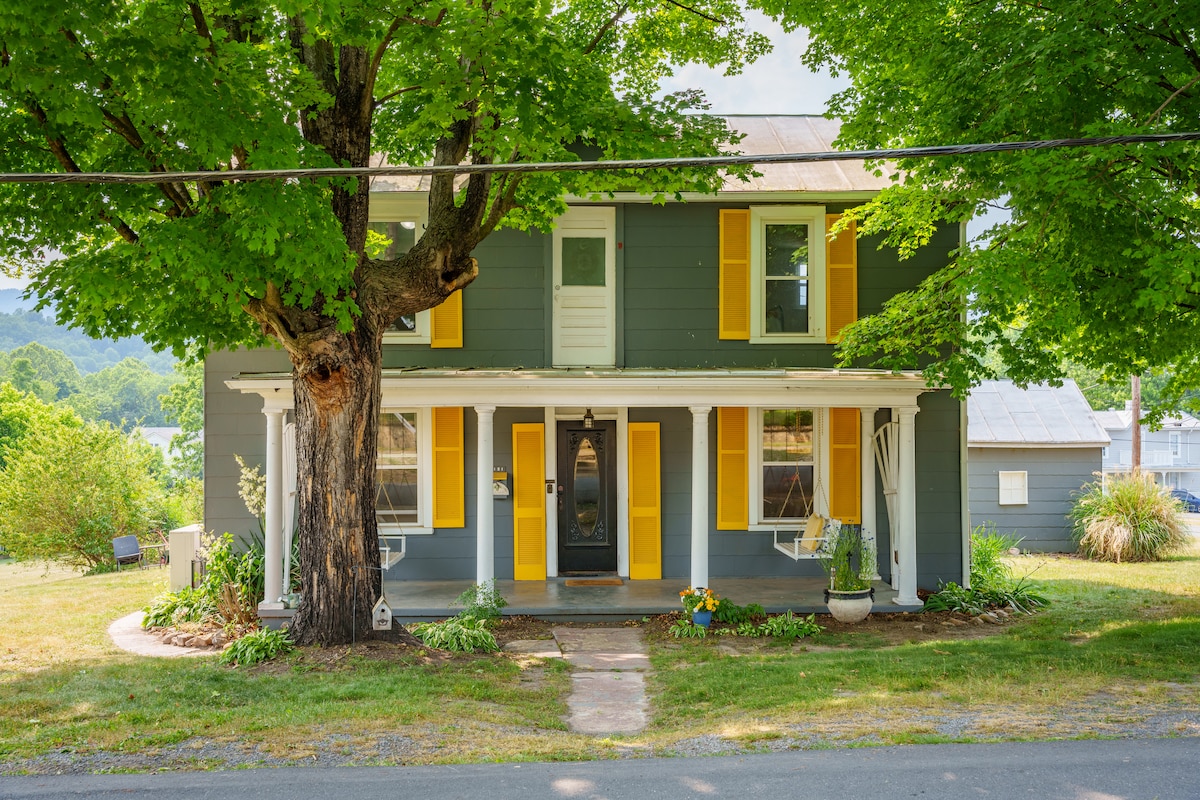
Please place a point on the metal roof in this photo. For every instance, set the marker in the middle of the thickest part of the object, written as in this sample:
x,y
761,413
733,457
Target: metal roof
x,y
1120,419
764,135
1001,414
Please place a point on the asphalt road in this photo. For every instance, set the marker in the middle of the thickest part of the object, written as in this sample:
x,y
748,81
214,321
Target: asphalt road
x,y
1154,769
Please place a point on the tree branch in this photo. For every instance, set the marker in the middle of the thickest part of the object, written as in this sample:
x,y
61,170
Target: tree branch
x,y
377,59
605,28
1170,99
397,93
697,12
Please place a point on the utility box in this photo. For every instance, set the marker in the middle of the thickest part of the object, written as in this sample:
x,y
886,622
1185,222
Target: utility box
x,y
184,543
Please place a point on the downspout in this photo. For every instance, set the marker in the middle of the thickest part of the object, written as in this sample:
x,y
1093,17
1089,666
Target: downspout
x,y
964,476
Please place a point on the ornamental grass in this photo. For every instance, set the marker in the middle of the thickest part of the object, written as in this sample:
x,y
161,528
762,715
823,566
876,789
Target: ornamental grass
x,y
1128,518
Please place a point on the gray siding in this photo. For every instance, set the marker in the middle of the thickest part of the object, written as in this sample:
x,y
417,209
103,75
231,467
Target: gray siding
x,y
939,490
670,289
233,424
1055,474
503,310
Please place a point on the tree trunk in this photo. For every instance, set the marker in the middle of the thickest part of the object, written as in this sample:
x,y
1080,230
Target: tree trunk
x,y
337,411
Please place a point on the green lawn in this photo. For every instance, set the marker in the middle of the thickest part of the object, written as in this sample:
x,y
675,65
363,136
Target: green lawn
x,y
1121,642
1120,645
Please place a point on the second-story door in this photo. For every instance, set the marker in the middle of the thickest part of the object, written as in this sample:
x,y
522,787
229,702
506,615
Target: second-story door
x,y
584,289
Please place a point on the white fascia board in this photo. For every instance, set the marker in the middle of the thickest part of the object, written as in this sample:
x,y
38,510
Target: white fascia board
x,y
1036,445
733,197
769,388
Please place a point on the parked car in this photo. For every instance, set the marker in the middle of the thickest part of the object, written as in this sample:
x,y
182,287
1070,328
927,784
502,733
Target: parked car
x,y
1191,503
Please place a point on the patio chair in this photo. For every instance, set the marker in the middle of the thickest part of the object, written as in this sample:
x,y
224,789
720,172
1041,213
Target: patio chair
x,y
126,550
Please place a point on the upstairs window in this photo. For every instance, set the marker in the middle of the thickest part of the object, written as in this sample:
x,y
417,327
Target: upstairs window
x,y
399,218
787,263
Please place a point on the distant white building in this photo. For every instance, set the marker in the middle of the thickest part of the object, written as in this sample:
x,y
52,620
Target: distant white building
x,y
1171,453
1029,452
160,438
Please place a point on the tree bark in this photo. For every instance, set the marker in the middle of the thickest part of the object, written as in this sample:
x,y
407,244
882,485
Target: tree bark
x,y
337,375
337,409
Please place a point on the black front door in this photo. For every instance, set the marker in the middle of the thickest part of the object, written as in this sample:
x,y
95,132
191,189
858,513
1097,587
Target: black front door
x,y
587,497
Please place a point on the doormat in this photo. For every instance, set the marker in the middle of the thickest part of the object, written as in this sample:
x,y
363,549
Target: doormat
x,y
594,582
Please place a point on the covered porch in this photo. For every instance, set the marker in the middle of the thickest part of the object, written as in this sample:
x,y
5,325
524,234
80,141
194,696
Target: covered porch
x,y
557,395
562,599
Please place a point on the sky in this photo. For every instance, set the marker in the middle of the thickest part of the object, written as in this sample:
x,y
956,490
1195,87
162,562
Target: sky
x,y
775,84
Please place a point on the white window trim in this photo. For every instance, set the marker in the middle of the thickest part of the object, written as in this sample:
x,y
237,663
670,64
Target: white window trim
x,y
760,217
403,207
1175,443
820,470
1012,488
424,524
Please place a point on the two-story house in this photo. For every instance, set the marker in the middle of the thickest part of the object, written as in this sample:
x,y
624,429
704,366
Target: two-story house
x,y
646,392
1171,453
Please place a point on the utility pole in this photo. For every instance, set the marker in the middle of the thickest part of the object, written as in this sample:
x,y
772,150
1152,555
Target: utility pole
x,y
1135,385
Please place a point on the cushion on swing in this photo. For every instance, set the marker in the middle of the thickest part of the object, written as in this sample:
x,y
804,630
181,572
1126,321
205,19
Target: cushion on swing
x,y
813,534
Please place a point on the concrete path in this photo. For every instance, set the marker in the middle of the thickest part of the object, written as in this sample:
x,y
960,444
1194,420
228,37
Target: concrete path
x,y
127,633
608,688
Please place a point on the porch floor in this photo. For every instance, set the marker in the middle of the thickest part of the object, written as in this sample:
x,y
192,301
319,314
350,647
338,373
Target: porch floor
x,y
413,600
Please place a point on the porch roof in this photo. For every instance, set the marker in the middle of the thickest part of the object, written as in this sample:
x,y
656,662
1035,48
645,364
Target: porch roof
x,y
647,388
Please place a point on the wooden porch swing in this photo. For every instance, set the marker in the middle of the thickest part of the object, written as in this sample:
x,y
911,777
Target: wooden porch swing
x,y
804,542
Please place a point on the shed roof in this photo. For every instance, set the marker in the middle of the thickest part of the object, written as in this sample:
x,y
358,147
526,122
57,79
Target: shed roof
x,y
1001,414
764,135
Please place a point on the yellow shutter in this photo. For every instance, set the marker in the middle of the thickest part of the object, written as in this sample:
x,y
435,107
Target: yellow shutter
x,y
529,501
449,504
841,267
446,322
845,473
734,313
645,503
733,469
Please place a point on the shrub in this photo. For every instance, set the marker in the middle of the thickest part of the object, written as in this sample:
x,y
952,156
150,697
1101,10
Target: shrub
x,y
1127,518
256,647
730,613
235,582
481,602
68,491
172,608
461,634
789,627
992,582
988,549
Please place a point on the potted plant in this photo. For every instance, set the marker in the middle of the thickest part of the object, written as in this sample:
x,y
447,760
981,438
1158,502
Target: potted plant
x,y
700,603
848,560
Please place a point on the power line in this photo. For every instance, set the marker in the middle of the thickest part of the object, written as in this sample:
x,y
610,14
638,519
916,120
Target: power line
x,y
591,166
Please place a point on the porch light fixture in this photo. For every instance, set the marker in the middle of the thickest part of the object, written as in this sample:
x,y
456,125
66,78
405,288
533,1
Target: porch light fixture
x,y
588,420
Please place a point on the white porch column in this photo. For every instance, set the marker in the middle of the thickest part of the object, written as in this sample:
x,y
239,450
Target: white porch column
x,y
867,459
906,502
273,535
485,535
700,494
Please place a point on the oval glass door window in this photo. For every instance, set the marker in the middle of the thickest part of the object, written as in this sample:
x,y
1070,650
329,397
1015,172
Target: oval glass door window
x,y
587,488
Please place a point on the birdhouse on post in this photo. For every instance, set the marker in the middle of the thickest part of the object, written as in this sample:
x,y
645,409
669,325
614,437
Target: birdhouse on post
x,y
381,616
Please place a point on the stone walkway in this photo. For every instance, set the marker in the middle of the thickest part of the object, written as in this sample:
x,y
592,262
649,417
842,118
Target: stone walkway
x,y
608,688
127,633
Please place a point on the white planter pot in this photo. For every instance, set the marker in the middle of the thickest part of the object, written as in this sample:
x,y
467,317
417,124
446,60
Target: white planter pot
x,y
850,606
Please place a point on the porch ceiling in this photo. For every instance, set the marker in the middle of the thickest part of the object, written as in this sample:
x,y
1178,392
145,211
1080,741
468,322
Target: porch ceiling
x,y
655,388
